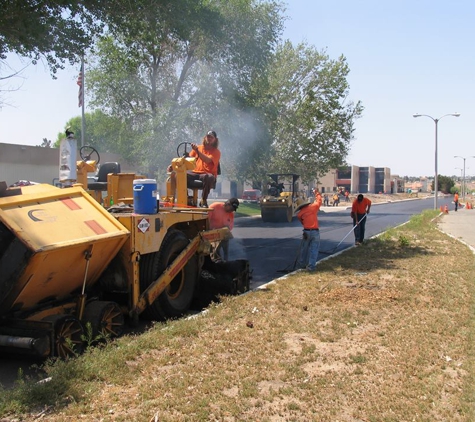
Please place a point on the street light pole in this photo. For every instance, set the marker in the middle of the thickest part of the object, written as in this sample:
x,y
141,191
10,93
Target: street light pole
x,y
463,178
436,121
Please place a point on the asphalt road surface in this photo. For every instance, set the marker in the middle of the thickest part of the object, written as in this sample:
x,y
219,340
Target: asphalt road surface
x,y
271,249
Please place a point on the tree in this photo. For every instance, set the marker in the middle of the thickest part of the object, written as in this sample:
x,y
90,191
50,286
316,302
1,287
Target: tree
x,y
56,31
45,144
444,184
171,73
103,132
312,118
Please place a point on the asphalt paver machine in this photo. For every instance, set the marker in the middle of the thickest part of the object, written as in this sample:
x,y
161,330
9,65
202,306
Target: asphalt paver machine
x,y
71,259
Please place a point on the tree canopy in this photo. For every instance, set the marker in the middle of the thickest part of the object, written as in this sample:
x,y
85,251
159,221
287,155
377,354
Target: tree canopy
x,y
313,121
56,31
103,132
444,184
172,75
160,72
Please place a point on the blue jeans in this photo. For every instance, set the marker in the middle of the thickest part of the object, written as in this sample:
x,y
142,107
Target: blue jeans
x,y
360,228
309,249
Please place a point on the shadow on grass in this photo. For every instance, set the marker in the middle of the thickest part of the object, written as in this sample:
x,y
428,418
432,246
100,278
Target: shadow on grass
x,y
378,253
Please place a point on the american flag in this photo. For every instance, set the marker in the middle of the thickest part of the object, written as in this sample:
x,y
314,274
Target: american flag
x,y
80,83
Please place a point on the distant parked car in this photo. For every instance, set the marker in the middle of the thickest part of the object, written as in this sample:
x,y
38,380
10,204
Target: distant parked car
x,y
251,195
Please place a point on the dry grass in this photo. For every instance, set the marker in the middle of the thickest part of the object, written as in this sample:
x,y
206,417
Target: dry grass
x,y
383,332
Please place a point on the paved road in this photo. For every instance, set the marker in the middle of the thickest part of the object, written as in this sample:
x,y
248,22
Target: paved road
x,y
272,248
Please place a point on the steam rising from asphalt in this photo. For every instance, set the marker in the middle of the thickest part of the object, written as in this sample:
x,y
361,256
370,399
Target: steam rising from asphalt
x,y
238,134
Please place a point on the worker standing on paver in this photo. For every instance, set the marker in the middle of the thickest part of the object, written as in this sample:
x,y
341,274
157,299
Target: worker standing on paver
x,y
456,200
359,211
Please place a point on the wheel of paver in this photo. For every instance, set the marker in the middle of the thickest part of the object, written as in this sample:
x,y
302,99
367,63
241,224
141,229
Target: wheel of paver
x,y
68,335
175,300
106,318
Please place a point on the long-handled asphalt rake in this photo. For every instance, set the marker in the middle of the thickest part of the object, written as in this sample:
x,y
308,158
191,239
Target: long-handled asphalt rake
x,y
287,270
331,252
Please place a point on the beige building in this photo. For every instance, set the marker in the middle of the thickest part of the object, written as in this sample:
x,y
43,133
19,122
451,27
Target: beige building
x,y
422,185
38,164
357,179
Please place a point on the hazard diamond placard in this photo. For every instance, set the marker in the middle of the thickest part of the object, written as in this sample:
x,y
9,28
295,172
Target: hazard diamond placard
x,y
144,225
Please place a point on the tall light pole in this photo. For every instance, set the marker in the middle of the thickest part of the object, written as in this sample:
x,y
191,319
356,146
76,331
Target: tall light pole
x,y
436,121
463,179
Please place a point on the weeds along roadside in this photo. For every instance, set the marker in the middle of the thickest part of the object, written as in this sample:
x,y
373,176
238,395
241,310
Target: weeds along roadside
x,y
380,332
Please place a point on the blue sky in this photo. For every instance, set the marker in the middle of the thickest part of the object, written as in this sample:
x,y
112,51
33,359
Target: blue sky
x,y
404,56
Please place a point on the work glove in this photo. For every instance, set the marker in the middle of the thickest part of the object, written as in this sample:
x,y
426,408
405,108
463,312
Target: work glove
x,y
305,235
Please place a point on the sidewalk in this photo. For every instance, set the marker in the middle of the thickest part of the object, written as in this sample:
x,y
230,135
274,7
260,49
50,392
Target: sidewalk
x,y
460,225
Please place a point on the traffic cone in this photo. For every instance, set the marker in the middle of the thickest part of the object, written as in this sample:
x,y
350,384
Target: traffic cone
x,y
441,208
446,209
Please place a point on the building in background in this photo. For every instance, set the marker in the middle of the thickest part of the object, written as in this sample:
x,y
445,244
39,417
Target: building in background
x,y
357,179
422,185
39,164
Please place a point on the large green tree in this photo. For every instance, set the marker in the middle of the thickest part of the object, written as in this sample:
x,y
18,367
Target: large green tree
x,y
312,117
172,73
103,132
444,184
57,31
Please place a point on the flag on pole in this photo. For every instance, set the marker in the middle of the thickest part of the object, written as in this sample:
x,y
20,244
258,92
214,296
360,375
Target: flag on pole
x,y
80,82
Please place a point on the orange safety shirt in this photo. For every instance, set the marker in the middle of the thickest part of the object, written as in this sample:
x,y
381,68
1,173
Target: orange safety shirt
x,y
201,166
456,197
308,214
219,218
360,207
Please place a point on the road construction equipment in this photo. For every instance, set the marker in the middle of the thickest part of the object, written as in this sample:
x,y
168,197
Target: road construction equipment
x,y
70,257
281,198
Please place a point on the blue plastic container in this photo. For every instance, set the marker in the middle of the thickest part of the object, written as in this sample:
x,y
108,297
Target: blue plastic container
x,y
145,196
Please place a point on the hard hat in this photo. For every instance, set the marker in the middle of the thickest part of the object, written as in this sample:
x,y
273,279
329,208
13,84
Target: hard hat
x,y
234,202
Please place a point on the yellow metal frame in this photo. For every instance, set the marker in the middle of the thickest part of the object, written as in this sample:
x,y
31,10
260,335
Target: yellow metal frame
x,y
177,189
201,243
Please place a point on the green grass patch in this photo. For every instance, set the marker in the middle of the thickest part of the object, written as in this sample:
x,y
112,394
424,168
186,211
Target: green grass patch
x,y
248,209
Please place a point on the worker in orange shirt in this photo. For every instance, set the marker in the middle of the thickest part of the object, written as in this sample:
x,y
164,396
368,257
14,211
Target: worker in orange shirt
x,y
207,160
359,211
456,200
222,215
307,215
